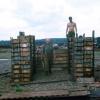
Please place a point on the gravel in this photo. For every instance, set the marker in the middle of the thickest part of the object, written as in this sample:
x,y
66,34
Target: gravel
x,y
5,85
59,78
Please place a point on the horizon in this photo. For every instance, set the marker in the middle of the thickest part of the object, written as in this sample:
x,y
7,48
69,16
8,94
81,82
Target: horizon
x,y
38,39
45,38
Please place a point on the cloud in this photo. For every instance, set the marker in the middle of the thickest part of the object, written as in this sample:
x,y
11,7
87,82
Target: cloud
x,y
47,18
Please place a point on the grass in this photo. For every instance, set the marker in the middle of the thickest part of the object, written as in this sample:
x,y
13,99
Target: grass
x,y
97,54
5,53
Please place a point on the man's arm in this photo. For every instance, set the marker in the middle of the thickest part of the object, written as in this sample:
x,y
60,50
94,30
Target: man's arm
x,y
75,28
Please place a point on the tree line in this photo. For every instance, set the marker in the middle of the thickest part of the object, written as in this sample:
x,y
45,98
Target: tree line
x,y
59,41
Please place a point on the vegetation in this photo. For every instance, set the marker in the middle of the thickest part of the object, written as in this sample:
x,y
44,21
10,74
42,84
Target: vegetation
x,y
5,44
59,41
5,53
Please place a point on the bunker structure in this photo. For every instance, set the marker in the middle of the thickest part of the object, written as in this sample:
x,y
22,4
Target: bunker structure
x,y
77,59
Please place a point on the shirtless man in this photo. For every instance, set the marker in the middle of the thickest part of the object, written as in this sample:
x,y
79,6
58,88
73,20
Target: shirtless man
x,y
71,28
70,32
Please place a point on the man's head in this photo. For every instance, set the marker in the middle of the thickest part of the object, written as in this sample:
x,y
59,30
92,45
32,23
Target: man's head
x,y
70,19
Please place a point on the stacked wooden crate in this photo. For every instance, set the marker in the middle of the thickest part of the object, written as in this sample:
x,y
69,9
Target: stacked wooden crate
x,y
79,57
88,57
71,51
60,59
23,59
84,57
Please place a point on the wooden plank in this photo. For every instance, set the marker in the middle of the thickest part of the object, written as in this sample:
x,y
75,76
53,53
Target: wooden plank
x,y
35,94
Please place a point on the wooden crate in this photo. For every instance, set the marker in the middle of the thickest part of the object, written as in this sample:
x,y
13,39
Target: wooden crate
x,y
84,57
23,58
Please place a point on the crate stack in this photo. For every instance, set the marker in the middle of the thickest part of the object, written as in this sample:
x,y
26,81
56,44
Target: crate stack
x,y
60,59
84,57
71,59
88,62
23,58
79,56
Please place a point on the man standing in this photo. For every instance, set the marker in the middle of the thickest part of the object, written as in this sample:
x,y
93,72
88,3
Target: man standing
x,y
70,33
71,28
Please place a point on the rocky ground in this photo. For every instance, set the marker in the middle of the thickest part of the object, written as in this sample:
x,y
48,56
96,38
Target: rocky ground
x,y
55,81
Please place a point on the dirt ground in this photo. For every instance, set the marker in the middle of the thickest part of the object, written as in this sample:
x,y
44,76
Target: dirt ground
x,y
5,66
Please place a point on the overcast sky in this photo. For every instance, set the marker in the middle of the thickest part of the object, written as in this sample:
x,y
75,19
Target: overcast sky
x,y
48,18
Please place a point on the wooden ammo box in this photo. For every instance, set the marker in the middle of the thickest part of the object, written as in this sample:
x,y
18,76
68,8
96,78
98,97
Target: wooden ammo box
x,y
88,57
71,52
79,56
84,57
23,58
60,59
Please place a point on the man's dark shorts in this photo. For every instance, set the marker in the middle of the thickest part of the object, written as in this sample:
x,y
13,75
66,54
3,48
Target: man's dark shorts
x,y
71,34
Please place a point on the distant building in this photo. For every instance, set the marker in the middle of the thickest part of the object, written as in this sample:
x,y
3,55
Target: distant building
x,y
55,46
